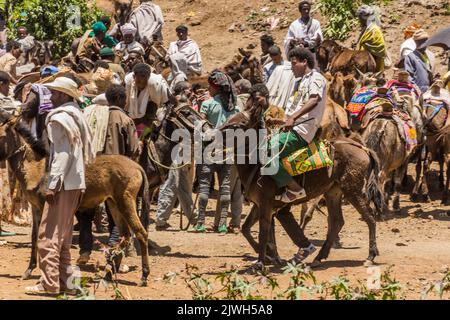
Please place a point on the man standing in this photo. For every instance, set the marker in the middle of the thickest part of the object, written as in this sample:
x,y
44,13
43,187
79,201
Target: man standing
x,y
277,60
305,31
188,50
146,92
266,42
178,183
216,110
70,151
418,63
120,138
148,19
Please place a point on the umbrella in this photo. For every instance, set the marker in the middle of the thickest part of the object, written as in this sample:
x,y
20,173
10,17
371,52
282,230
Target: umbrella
x,y
439,39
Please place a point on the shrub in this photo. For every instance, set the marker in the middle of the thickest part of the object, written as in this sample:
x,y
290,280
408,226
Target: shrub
x,y
51,20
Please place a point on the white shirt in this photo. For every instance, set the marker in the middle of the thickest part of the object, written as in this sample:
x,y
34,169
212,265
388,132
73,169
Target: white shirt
x,y
191,51
309,32
127,48
67,168
156,91
409,45
311,84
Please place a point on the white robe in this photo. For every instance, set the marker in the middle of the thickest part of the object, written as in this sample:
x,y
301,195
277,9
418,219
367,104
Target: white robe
x,y
127,48
280,85
191,51
309,33
147,19
156,91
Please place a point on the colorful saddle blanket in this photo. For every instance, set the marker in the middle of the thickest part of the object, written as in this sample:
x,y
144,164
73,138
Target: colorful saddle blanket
x,y
359,100
403,88
313,157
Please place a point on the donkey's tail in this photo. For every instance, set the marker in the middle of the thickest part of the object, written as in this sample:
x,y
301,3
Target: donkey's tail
x,y
144,201
374,189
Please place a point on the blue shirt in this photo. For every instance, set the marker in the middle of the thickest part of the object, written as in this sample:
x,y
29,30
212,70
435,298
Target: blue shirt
x,y
215,113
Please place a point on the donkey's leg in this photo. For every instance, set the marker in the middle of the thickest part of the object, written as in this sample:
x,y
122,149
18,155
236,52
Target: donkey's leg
x,y
307,216
426,165
441,172
333,199
250,221
34,235
361,204
127,208
419,176
265,224
272,252
398,177
447,179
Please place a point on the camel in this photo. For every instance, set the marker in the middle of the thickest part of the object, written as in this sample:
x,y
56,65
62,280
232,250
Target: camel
x,y
354,175
115,179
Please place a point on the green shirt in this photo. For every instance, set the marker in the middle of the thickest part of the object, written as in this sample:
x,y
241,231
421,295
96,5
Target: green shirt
x,y
215,113
107,40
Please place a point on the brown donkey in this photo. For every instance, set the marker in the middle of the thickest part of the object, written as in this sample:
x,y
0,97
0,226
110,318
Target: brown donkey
x,y
437,148
115,179
354,175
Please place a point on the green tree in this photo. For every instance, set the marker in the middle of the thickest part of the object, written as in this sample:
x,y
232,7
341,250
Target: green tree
x,y
59,20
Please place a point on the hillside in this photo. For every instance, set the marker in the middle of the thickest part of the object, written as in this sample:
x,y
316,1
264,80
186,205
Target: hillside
x,y
211,22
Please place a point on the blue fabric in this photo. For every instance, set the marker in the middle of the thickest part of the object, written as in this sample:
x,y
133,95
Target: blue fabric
x,y
419,71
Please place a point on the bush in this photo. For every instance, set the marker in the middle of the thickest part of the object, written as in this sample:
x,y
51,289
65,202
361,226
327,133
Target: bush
x,y
341,17
51,20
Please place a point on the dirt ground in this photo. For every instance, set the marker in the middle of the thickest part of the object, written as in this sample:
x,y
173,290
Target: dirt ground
x,y
418,250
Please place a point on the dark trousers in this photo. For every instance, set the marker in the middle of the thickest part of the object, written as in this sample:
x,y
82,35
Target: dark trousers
x,y
86,238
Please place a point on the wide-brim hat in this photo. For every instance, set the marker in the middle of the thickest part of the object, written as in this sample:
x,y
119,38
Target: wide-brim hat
x,y
65,85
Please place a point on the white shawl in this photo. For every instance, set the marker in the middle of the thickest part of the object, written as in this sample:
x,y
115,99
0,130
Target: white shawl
x,y
155,91
97,117
78,133
280,85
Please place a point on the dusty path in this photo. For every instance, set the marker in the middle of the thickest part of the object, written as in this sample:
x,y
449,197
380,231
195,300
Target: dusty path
x,y
418,251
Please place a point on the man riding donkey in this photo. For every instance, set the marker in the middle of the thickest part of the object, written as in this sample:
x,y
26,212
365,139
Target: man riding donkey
x,y
303,117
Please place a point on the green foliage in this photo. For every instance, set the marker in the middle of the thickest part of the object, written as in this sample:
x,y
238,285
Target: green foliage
x,y
302,282
440,287
341,16
51,20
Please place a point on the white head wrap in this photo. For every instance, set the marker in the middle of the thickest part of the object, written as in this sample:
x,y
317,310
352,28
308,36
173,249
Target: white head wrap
x,y
128,28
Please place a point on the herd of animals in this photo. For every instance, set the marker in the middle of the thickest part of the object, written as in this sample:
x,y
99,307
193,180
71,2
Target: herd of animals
x,y
357,153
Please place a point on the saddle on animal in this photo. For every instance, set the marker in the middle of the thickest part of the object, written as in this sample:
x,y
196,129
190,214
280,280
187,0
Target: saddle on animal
x,y
317,155
384,108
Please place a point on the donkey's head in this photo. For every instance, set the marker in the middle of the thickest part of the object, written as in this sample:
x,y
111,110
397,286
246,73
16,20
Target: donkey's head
x,y
15,135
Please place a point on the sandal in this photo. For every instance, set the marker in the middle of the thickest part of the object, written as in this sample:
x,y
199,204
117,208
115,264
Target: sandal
x,y
286,199
38,290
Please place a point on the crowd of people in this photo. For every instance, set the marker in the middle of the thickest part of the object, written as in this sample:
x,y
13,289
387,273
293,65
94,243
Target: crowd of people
x,y
117,109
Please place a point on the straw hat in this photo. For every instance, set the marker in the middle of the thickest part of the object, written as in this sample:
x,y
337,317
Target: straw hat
x,y
420,35
65,85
